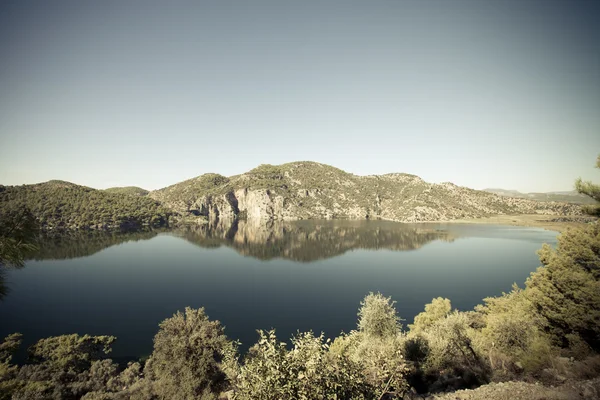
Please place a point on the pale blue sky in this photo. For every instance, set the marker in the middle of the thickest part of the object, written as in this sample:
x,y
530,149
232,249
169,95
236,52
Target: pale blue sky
x,y
479,93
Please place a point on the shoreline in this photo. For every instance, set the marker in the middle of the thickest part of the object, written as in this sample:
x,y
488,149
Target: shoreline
x,y
527,220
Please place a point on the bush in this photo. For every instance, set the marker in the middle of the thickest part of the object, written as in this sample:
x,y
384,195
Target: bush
x,y
308,371
377,317
565,292
186,361
434,311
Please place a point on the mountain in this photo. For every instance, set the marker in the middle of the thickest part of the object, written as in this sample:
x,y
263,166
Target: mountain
x,y
565,197
129,190
60,205
304,190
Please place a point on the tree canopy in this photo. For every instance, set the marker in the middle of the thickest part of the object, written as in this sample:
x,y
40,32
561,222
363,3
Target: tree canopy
x,y
590,189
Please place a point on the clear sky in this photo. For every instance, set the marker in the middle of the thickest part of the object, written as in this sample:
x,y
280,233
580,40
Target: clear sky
x,y
480,93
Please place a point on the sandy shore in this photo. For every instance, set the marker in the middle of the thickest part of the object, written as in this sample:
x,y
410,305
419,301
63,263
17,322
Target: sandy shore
x,y
530,220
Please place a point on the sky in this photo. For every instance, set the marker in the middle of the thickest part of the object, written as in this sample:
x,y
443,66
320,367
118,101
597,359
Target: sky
x,y
502,94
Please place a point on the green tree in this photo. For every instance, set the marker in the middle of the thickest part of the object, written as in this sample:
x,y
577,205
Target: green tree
x,y
186,361
590,189
565,291
434,311
71,352
377,316
18,235
308,371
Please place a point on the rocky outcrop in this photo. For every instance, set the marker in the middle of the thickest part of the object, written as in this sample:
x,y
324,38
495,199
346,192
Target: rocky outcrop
x,y
307,190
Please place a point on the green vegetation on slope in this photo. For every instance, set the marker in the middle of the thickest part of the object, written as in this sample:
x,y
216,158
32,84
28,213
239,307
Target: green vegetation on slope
x,y
130,190
528,334
303,190
59,205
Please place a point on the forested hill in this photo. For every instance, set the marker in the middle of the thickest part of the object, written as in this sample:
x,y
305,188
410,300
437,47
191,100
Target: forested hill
x,y
62,205
130,190
297,190
304,190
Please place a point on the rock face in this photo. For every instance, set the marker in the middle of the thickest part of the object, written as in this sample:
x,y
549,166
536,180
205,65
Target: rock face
x,y
308,190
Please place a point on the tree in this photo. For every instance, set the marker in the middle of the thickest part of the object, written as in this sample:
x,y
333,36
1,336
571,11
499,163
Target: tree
x,y
377,316
18,235
591,190
434,311
566,290
186,361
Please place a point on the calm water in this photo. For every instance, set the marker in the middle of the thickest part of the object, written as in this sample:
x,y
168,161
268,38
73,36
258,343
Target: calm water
x,y
302,276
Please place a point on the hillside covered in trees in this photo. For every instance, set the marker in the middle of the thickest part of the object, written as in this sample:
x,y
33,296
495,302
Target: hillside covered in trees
x,y
547,333
59,205
305,190
293,191
130,190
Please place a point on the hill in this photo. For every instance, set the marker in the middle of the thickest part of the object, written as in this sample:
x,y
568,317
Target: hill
x,y
129,190
62,205
565,197
303,190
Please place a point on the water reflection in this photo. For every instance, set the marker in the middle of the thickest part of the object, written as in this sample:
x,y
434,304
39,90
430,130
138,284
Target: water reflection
x,y
129,288
308,241
83,244
303,241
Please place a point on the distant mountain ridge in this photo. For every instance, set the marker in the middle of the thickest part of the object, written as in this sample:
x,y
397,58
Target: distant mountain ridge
x,y
310,190
292,191
564,196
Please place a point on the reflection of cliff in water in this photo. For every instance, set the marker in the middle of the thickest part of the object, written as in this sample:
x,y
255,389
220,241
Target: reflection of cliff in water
x,y
310,240
82,244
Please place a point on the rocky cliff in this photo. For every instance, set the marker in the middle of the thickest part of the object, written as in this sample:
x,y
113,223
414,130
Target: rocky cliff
x,y
309,190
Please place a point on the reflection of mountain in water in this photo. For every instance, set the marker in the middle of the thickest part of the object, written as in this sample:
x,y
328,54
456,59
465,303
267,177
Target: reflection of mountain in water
x,y
309,240
82,244
299,241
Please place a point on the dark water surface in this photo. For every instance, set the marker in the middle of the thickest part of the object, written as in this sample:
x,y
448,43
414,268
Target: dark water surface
x,y
300,276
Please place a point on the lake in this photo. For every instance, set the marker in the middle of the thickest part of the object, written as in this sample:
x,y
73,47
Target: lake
x,y
288,276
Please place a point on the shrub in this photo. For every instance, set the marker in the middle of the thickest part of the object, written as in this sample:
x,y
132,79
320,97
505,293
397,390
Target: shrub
x,y
434,311
377,317
308,371
188,350
565,292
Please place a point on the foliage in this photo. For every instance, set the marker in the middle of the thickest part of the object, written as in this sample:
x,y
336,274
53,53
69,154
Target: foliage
x,y
18,235
128,190
434,311
61,205
512,335
70,352
566,290
188,350
591,190
306,190
377,317
377,346
451,345
62,367
308,371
